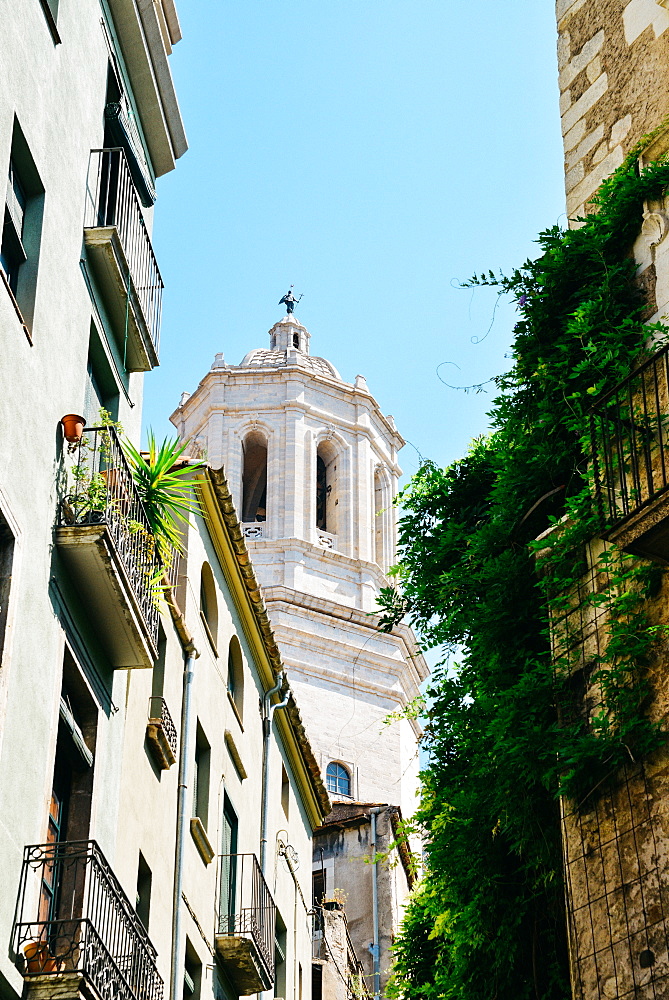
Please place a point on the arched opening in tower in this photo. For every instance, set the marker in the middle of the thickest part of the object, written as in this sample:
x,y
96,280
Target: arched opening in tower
x,y
327,498
254,479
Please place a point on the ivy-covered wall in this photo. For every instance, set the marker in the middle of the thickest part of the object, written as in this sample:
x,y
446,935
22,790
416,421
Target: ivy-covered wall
x,y
530,736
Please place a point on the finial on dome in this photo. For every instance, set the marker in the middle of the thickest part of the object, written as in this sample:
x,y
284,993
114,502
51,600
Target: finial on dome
x,y
289,301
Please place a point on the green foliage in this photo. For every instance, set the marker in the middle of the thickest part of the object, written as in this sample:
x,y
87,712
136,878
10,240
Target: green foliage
x,y
505,734
165,492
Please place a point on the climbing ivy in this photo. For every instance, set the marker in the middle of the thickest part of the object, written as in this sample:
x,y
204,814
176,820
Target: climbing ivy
x,y
506,734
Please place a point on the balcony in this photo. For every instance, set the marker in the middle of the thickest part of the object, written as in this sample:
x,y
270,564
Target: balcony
x,y
105,540
246,917
629,429
73,917
122,259
161,734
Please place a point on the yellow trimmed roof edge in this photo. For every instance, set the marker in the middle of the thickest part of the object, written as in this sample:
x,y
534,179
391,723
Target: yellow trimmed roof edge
x,y
215,479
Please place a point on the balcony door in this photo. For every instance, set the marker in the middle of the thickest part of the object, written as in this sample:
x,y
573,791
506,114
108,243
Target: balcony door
x,y
228,896
57,824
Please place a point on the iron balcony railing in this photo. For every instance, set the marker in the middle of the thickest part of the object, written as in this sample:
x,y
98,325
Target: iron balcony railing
x,y
73,916
629,429
245,905
111,200
158,710
105,494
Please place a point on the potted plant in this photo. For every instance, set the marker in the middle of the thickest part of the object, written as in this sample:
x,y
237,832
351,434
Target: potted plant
x,y
39,959
73,427
335,900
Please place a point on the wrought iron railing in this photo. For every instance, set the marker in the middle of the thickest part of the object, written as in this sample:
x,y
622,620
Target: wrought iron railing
x,y
245,905
73,916
629,429
111,200
105,493
159,711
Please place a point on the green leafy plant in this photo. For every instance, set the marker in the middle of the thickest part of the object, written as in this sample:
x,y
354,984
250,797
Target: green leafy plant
x,y
166,492
506,733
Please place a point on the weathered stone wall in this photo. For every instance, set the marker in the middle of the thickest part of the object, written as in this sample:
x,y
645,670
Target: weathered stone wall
x,y
613,57
616,840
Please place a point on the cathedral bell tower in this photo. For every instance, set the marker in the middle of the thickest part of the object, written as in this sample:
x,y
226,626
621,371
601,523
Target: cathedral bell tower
x,y
311,462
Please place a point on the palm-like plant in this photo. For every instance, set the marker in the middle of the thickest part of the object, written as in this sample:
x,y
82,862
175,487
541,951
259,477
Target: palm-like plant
x,y
166,492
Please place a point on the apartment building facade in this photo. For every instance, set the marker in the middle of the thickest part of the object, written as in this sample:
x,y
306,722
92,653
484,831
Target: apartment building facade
x,y
157,790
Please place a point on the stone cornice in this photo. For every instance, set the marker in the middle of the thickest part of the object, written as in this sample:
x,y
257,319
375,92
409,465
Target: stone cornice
x,y
362,619
263,376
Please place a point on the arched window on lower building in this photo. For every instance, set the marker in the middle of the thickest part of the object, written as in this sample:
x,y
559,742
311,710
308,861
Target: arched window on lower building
x,y
236,675
209,605
338,779
254,479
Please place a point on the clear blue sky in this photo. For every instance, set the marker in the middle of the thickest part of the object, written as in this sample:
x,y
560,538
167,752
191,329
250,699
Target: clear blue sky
x,y
373,153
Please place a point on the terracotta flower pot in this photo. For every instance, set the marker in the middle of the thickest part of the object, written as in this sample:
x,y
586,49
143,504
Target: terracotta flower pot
x,y
333,904
39,960
73,427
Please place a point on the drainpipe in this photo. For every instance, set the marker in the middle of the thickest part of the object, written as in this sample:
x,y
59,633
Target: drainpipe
x,y
375,949
267,716
182,821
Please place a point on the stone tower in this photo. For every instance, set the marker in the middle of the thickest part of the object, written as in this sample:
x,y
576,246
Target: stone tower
x,y
311,462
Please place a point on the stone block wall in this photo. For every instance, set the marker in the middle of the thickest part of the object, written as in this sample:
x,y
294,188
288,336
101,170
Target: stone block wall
x,y
613,59
616,839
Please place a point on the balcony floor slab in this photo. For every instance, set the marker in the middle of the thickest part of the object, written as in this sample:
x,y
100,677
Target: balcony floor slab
x,y
90,555
110,268
243,965
646,532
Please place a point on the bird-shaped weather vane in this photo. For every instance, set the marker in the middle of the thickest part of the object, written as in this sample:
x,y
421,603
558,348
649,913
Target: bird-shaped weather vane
x,y
289,301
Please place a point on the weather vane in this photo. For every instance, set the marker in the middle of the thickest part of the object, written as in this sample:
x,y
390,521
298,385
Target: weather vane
x,y
289,301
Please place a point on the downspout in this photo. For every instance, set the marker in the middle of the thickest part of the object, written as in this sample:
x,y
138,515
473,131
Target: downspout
x,y
182,821
268,711
375,949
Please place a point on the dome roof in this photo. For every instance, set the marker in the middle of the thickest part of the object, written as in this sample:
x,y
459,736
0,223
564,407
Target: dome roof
x,y
261,358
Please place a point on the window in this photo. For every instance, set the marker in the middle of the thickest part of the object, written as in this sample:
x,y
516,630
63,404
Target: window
x,y
327,499
101,389
50,8
209,605
158,672
143,903
285,791
192,973
280,946
228,896
254,479
338,779
22,226
12,252
236,675
319,886
69,808
201,777
6,564
316,981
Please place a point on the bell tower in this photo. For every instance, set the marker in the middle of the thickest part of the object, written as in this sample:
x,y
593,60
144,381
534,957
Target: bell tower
x,y
311,462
